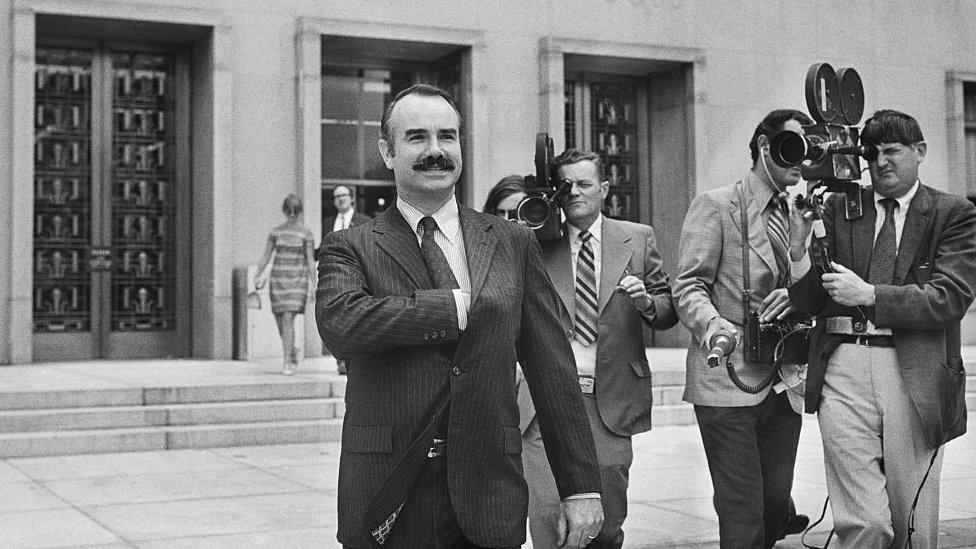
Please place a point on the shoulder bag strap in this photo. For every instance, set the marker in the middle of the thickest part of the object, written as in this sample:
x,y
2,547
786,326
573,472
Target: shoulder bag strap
x,y
746,277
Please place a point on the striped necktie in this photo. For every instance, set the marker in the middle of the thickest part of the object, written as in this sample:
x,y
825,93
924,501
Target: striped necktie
x,y
586,303
778,231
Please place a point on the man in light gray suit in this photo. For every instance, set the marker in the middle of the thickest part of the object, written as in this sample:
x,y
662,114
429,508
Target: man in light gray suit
x,y
750,439
609,276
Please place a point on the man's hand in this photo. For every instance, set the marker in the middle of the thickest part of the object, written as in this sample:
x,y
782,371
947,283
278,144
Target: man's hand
x,y
634,287
579,522
801,223
716,325
776,306
846,288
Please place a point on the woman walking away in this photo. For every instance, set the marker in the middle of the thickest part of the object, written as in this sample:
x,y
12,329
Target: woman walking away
x,y
290,245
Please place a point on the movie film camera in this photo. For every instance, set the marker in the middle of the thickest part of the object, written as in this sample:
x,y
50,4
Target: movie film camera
x,y
540,209
828,152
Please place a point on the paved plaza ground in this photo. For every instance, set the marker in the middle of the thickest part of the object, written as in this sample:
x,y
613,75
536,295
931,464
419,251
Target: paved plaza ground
x,y
285,496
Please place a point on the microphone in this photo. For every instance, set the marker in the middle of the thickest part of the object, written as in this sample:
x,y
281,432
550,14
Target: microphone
x,y
722,344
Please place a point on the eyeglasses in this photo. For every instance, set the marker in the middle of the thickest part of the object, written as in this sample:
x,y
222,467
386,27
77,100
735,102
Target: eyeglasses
x,y
343,195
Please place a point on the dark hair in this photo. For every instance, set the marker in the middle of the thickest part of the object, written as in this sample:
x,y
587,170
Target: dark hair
x,y
772,124
292,204
572,156
424,90
888,126
506,187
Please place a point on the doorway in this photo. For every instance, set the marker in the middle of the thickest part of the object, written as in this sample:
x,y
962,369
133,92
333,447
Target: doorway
x,y
111,202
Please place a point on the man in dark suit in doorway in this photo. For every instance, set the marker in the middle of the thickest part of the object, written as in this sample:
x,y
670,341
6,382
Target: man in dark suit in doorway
x,y
345,218
435,303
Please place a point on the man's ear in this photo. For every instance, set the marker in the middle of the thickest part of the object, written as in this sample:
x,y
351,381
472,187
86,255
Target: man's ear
x,y
604,189
920,149
762,142
386,151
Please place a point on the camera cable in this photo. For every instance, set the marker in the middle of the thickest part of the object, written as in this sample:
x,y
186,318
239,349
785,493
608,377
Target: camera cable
x,y
803,536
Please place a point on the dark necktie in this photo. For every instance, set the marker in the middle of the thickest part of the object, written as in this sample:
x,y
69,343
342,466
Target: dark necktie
x,y
441,275
882,270
777,229
586,304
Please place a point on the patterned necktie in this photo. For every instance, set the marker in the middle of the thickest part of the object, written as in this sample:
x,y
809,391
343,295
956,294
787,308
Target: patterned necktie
x,y
882,269
586,303
778,231
441,275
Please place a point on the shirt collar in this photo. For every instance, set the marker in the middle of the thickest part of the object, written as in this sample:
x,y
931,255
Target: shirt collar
x,y
447,218
596,229
903,201
761,189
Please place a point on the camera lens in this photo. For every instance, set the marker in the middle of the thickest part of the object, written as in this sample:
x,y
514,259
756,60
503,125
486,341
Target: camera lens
x,y
533,211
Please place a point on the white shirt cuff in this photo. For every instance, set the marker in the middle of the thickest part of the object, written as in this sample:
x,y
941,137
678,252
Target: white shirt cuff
x,y
586,495
462,300
799,269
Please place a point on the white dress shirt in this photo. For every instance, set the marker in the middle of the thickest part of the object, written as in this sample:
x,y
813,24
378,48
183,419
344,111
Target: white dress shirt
x,y
342,220
586,354
449,238
901,212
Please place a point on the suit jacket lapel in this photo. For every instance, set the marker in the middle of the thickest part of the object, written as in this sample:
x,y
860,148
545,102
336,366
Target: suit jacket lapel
x,y
758,240
863,241
615,256
479,245
912,233
559,267
397,239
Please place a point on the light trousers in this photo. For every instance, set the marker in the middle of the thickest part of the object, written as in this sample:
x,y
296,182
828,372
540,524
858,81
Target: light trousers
x,y
875,453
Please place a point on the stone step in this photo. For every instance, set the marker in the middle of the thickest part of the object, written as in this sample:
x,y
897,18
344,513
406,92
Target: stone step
x,y
97,441
110,417
89,398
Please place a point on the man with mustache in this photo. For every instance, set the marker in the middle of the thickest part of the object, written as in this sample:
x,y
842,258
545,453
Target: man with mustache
x,y
886,376
608,274
750,439
435,303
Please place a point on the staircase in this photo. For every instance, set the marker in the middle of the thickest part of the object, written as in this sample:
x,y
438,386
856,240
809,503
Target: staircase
x,y
254,410
667,367
104,407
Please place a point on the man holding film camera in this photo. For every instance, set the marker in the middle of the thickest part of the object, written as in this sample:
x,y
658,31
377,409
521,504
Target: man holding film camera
x,y
750,438
886,376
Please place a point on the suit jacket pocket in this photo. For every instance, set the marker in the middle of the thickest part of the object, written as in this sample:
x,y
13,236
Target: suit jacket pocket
x,y
368,439
953,389
513,440
641,369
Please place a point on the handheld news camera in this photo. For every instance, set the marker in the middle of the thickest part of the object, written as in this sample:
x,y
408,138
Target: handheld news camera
x,y
540,209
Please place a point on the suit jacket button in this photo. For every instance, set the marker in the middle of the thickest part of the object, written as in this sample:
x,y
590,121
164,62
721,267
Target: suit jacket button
x,y
570,334
443,333
456,371
426,337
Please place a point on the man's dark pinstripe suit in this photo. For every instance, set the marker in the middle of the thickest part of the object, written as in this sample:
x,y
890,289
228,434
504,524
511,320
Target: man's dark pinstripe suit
x,y
375,304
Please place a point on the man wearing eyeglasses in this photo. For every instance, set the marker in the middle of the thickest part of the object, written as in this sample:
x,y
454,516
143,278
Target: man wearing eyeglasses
x,y
886,376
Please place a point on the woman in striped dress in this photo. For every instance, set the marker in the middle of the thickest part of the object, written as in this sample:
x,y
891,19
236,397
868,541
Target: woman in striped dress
x,y
290,246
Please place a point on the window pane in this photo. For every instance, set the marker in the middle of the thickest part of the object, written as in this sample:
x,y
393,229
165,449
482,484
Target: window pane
x,y
340,151
569,107
340,98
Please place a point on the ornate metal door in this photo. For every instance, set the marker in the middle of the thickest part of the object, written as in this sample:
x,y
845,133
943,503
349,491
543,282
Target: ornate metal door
x,y
109,197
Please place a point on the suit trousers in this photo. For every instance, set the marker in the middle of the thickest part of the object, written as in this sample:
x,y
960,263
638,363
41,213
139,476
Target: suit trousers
x,y
751,451
614,454
875,453
429,508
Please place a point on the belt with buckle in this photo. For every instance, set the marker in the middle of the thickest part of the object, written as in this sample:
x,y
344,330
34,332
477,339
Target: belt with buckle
x,y
437,449
869,340
587,384
848,326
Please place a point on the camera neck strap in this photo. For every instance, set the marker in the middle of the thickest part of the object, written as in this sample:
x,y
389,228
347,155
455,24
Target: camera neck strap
x,y
746,277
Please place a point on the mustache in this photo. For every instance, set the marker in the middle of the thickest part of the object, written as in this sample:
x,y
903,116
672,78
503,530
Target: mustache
x,y
434,163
